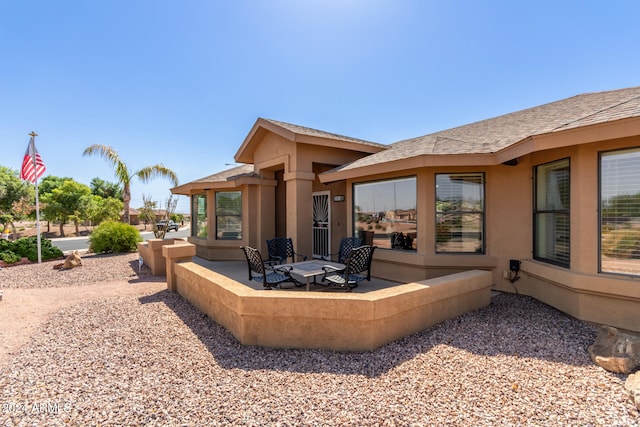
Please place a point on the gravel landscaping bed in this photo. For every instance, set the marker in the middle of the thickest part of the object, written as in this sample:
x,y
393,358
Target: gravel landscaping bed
x,y
95,269
156,360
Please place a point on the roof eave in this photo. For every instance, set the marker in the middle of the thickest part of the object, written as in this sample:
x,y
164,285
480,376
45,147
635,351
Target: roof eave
x,y
616,129
196,186
245,152
337,143
416,162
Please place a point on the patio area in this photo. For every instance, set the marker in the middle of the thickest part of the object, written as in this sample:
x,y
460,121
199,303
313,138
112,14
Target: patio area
x,y
374,314
237,270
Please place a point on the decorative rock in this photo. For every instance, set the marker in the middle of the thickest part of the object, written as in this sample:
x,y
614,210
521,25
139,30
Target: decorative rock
x,y
633,387
73,260
616,351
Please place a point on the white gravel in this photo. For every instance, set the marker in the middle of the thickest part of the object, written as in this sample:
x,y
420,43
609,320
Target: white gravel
x,y
95,268
156,360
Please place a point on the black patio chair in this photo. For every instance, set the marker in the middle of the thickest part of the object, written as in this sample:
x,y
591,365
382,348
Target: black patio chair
x,y
357,268
346,244
270,276
281,249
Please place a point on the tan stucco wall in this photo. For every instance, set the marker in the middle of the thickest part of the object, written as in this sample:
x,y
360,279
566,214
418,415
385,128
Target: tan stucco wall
x,y
332,321
151,253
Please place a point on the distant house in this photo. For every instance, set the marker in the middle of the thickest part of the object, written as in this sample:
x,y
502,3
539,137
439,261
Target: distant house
x,y
134,216
547,199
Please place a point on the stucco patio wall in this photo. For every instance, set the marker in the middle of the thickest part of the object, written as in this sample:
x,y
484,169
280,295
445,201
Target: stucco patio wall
x,y
151,253
330,320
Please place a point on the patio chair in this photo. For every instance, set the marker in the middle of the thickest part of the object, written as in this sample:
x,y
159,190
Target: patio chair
x,y
270,276
356,265
281,249
346,244
400,241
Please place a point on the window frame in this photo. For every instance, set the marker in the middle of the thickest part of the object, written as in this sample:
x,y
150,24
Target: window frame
x,y
601,155
197,226
564,212
483,214
412,241
219,234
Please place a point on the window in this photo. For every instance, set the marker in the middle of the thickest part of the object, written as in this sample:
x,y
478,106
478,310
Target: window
x,y
460,213
229,215
384,213
620,212
199,215
552,233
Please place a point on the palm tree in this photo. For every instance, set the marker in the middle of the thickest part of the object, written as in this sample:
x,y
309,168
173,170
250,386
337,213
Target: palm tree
x,y
124,176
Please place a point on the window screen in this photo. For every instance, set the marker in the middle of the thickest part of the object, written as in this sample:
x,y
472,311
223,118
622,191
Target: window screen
x,y
229,215
620,212
552,233
460,213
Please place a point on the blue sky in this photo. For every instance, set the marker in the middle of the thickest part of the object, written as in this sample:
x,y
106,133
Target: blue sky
x,y
182,82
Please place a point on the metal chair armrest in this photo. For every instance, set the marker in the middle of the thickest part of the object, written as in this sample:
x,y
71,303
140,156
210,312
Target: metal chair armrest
x,y
286,270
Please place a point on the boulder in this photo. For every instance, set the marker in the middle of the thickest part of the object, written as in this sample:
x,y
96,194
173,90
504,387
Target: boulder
x,y
616,351
73,260
633,387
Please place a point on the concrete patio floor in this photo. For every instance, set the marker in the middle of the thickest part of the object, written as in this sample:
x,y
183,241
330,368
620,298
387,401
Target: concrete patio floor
x,y
237,270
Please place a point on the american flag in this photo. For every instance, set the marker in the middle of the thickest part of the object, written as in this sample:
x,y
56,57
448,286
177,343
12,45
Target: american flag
x,y
28,171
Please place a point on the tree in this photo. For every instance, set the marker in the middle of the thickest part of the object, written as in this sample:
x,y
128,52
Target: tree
x,y
12,189
104,209
69,201
147,213
105,189
50,182
170,209
46,186
124,176
16,198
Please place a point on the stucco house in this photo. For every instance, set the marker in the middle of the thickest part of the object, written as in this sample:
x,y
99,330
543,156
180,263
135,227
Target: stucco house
x,y
547,199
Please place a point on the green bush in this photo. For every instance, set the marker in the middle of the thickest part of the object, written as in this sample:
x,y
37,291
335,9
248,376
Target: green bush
x,y
5,245
9,257
111,236
28,247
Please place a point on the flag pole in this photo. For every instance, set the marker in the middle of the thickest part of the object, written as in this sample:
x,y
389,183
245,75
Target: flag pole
x,y
35,168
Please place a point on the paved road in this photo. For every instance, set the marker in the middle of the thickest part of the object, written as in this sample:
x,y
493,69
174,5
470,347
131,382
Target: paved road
x,y
67,244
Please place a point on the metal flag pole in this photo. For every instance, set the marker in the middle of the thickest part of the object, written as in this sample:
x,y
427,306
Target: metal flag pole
x,y
32,148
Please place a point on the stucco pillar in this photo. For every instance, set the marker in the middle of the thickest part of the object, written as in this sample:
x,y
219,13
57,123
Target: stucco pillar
x,y
300,210
173,254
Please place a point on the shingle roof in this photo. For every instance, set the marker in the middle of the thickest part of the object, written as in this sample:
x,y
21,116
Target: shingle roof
x,y
301,130
495,134
229,174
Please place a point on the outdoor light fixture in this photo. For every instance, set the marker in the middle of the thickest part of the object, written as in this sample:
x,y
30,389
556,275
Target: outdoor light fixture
x,y
512,162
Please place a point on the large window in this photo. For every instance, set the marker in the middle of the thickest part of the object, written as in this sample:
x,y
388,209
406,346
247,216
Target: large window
x,y
199,215
384,213
460,213
552,233
620,212
229,215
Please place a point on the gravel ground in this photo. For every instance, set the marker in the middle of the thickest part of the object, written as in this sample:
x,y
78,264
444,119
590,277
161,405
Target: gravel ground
x,y
156,360
95,268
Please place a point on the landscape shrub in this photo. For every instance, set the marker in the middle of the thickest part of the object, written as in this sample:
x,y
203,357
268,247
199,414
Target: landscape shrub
x,y
11,252
9,257
117,237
